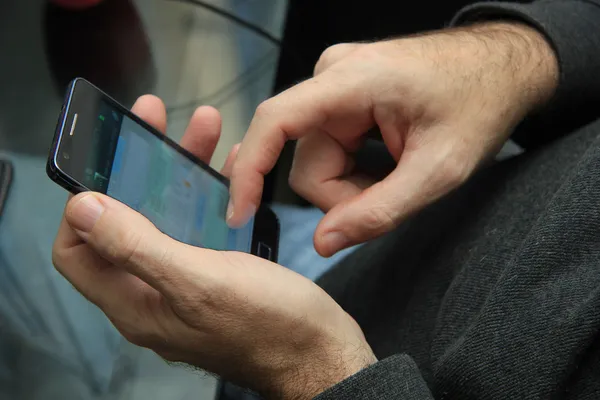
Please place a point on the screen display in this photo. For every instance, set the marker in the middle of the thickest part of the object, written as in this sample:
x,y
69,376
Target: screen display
x,y
181,198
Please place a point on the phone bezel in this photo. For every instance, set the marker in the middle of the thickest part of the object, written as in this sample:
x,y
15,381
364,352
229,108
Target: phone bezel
x,y
266,225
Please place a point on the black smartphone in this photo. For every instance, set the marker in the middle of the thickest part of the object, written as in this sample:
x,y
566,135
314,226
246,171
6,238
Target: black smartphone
x,y
101,146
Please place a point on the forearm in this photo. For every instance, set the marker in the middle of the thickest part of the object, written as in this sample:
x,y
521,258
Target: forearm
x,y
507,58
570,27
525,57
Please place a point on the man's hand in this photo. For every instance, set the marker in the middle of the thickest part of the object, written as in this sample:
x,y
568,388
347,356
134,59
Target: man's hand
x,y
233,314
444,102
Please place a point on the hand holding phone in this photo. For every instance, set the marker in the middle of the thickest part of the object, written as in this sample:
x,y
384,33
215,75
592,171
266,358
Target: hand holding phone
x,y
101,146
249,320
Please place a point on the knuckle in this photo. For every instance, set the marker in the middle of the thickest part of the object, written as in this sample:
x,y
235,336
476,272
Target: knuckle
x,y
265,109
377,219
126,247
301,175
301,183
293,180
331,55
327,57
59,256
373,54
455,171
296,180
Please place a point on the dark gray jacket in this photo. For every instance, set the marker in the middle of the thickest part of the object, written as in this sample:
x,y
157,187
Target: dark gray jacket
x,y
494,292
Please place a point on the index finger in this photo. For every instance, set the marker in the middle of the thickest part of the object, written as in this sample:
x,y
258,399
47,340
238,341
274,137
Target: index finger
x,y
316,105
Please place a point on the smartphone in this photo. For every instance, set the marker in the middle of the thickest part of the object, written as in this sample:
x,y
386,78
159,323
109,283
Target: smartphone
x,y
101,146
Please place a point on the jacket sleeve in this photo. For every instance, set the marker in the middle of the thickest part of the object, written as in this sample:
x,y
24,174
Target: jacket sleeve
x,y
396,377
572,27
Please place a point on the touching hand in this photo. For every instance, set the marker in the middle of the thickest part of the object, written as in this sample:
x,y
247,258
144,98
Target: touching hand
x,y
242,317
444,102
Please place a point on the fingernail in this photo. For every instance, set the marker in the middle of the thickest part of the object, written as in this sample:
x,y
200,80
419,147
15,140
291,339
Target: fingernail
x,y
85,213
229,214
336,241
240,219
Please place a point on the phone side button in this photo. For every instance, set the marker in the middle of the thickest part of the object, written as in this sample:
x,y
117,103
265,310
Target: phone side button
x,y
264,251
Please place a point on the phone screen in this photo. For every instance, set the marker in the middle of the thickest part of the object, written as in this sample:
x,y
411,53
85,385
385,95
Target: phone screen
x,y
183,200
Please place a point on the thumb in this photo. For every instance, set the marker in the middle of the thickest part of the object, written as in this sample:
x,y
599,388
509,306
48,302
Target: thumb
x,y
127,239
420,178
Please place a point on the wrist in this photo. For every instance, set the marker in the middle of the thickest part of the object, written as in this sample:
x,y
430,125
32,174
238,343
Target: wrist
x,y
324,366
316,377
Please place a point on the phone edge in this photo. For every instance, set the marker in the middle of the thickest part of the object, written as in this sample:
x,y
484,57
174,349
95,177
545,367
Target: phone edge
x,y
58,176
52,168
